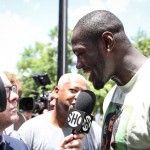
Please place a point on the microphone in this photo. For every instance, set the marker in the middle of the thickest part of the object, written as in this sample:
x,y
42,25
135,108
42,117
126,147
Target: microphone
x,y
80,118
3,99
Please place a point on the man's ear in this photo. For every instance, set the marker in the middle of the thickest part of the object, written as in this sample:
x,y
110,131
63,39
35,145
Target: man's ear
x,y
54,94
108,39
56,90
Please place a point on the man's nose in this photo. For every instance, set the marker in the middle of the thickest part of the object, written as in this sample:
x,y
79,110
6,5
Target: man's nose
x,y
79,64
13,97
77,94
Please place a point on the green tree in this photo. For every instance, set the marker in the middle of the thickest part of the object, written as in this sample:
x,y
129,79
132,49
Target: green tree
x,y
142,42
141,35
32,61
42,58
144,46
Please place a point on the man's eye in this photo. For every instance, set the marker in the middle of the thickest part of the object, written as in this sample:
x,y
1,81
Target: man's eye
x,y
73,90
77,53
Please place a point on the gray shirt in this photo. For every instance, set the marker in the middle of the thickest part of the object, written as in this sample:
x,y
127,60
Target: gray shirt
x,y
40,134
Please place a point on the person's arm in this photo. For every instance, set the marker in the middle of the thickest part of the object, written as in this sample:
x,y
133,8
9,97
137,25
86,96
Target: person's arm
x,y
72,141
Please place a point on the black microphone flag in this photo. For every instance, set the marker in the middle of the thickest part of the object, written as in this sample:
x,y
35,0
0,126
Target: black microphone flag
x,y
80,118
80,121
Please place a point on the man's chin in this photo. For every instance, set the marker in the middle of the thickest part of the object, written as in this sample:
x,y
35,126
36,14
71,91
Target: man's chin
x,y
14,118
96,82
98,85
72,107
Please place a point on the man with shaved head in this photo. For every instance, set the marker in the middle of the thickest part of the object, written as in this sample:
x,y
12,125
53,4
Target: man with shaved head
x,y
105,52
46,131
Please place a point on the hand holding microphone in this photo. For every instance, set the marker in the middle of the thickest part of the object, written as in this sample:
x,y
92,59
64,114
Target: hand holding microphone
x,y
80,118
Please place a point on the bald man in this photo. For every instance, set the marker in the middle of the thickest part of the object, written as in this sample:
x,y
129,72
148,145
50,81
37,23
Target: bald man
x,y
46,131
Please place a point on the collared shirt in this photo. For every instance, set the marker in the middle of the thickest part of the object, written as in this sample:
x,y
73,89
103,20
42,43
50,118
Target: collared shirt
x,y
2,142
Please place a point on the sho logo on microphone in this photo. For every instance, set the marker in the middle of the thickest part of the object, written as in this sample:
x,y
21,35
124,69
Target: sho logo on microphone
x,y
87,123
74,118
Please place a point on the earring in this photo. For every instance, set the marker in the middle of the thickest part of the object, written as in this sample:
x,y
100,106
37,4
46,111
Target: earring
x,y
108,49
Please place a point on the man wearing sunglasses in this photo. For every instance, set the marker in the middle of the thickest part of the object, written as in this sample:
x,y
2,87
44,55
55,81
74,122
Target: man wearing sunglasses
x,y
9,116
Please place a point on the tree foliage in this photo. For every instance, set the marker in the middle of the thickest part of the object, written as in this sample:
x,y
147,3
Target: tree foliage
x,y
144,46
142,42
42,58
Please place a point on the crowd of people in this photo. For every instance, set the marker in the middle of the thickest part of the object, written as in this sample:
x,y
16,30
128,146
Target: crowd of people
x,y
105,52
51,123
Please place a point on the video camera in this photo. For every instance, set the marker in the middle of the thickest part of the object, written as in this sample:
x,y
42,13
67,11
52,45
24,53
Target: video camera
x,y
38,102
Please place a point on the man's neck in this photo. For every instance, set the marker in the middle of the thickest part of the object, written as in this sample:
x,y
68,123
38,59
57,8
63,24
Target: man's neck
x,y
58,120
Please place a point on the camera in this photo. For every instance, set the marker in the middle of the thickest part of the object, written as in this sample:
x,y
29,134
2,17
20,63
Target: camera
x,y
38,102
41,102
26,104
41,79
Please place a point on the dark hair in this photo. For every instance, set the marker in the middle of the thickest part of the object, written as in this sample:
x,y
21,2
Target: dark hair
x,y
109,116
96,22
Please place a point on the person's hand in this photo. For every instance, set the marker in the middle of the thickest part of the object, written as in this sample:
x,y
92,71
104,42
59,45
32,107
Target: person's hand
x,y
72,142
